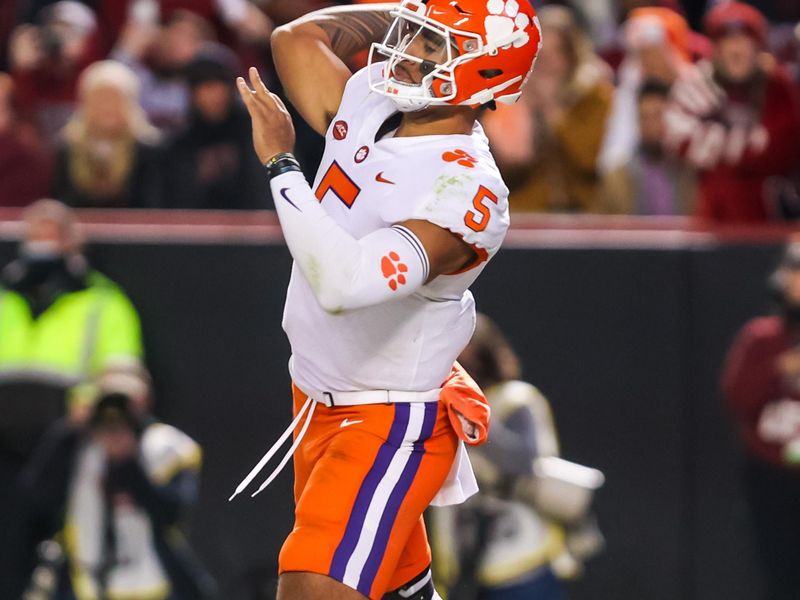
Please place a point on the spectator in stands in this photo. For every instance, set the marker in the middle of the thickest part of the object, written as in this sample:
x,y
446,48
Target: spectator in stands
x,y
653,182
738,121
24,161
284,11
615,50
600,19
547,144
8,16
211,165
108,157
159,54
46,60
61,323
236,23
657,48
761,383
120,483
499,545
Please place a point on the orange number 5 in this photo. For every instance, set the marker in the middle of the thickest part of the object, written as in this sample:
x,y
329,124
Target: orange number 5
x,y
477,218
337,181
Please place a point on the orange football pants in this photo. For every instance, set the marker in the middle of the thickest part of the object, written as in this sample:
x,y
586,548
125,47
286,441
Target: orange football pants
x,y
363,477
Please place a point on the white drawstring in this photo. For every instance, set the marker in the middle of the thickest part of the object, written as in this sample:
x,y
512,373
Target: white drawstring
x,y
289,454
274,449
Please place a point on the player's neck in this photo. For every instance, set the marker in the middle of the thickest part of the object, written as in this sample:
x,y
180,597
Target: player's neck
x,y
438,121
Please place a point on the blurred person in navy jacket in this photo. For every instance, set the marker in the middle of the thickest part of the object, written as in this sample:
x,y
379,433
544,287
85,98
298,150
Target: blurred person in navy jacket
x,y
211,164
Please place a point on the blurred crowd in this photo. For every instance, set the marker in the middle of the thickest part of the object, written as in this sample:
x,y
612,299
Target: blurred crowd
x,y
639,108
130,103
636,107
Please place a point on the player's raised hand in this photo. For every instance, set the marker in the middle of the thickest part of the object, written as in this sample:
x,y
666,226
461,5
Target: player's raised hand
x,y
273,131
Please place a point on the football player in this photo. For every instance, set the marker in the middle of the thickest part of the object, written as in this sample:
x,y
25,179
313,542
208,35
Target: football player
x,y
406,210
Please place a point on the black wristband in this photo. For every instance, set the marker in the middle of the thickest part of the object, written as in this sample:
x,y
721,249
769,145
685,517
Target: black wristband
x,y
282,163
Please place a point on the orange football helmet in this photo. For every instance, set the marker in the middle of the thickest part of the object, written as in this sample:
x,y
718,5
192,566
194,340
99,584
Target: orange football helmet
x,y
469,52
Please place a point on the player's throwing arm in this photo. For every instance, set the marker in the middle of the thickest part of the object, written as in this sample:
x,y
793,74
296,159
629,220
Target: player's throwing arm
x,y
346,273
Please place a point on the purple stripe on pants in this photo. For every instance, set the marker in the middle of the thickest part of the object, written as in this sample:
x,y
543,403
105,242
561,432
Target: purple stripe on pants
x,y
367,491
396,498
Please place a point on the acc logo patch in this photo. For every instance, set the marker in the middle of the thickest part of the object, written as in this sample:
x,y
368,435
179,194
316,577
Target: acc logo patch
x,y
361,154
340,129
461,157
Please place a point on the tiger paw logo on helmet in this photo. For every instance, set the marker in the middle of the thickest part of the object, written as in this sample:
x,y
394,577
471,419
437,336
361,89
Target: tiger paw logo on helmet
x,y
503,20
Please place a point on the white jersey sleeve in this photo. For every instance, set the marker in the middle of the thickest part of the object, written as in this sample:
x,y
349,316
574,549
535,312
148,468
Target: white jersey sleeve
x,y
469,198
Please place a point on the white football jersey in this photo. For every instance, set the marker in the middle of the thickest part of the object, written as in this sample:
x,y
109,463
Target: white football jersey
x,y
450,180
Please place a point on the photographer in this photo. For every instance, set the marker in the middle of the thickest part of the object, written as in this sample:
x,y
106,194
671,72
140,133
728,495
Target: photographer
x,y
117,484
511,541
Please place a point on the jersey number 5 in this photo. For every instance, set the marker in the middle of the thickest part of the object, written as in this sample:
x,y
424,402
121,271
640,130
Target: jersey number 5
x,y
477,218
338,182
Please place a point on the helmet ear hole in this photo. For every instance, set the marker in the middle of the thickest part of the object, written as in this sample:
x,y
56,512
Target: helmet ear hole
x,y
490,73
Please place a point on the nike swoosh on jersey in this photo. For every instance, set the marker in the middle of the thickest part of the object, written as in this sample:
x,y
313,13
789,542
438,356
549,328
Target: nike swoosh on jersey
x,y
348,422
285,197
381,179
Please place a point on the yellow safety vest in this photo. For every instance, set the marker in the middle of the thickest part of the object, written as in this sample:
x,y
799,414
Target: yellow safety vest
x,y
73,339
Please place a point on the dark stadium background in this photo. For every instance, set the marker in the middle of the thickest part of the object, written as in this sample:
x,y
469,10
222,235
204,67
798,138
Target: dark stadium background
x,y
624,331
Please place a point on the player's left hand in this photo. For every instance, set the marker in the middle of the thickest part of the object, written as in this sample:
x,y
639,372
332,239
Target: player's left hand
x,y
273,132
467,407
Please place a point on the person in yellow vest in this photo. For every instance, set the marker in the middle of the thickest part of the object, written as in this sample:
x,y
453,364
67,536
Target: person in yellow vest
x,y
61,323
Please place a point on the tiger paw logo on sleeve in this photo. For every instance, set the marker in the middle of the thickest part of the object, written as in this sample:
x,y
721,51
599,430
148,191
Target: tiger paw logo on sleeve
x,y
460,157
393,270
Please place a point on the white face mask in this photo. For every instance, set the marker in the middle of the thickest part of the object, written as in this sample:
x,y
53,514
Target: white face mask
x,y
424,47
40,249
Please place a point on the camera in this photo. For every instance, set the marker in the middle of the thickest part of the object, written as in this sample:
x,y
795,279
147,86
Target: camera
x,y
114,409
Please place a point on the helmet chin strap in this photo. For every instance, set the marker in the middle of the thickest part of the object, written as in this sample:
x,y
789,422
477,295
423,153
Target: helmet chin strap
x,y
406,97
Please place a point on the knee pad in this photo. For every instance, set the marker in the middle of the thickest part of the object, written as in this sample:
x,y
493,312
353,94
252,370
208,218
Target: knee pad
x,y
419,588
